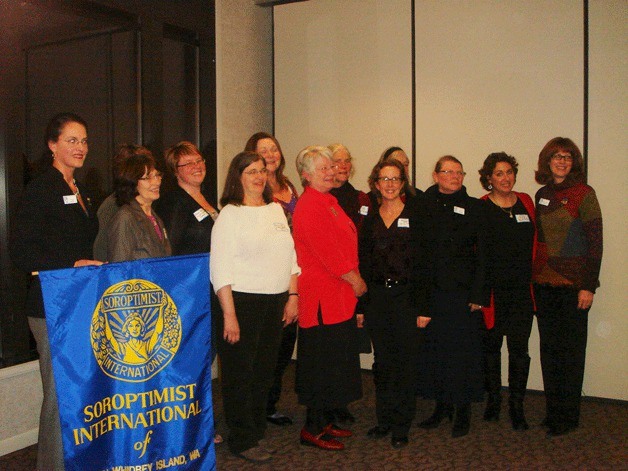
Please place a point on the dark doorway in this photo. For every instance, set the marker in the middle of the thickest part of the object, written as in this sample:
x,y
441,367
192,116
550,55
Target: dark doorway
x,y
138,72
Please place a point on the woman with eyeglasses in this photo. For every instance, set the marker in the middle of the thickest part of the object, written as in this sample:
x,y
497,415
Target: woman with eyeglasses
x,y
109,207
387,250
565,275
186,209
136,231
285,194
55,227
511,238
254,270
455,241
328,363
187,212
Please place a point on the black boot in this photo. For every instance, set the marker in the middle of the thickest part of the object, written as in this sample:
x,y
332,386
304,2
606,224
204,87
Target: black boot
x,y
493,384
518,369
493,407
441,411
462,424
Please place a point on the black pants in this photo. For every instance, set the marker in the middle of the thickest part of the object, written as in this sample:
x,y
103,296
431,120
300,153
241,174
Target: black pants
x,y
248,365
513,319
328,371
563,338
392,325
288,339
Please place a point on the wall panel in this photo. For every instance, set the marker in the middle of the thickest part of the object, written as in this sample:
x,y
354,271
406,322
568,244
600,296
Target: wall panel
x,y
607,355
343,74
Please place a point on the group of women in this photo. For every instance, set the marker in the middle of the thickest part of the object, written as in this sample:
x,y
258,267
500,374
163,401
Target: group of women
x,y
437,278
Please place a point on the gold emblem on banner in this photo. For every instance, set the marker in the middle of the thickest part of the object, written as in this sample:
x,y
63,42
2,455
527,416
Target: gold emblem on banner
x,y
135,331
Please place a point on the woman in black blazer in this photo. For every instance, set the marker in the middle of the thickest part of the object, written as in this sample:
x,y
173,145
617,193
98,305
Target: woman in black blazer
x,y
451,368
55,227
186,209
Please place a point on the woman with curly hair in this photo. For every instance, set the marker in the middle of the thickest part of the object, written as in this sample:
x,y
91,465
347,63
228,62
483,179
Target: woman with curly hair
x,y
511,235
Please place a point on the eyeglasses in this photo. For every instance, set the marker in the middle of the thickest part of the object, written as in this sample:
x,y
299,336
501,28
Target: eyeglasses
x,y
451,173
564,158
390,179
192,163
253,172
73,141
326,169
154,176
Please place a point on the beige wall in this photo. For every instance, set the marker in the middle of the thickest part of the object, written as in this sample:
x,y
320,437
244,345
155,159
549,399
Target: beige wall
x,y
607,354
244,71
20,402
491,75
342,75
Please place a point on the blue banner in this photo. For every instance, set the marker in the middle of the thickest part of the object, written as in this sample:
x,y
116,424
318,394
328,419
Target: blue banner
x,y
130,345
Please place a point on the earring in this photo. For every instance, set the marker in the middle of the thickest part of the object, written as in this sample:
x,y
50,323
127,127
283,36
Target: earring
x,y
490,187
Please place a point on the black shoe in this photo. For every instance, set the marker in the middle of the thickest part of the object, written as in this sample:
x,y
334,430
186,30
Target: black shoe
x,y
399,442
279,419
442,410
493,407
462,424
378,431
547,422
343,416
558,430
517,418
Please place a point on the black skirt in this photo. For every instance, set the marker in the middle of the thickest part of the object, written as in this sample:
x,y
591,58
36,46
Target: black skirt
x,y
328,366
451,357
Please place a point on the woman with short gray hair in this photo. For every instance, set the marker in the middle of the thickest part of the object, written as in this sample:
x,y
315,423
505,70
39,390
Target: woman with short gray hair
x,y
327,250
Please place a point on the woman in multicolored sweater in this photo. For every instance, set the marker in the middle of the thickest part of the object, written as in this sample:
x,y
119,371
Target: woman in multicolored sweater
x,y
566,271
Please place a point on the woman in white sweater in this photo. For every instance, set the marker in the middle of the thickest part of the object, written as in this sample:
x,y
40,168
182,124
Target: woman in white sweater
x,y
253,269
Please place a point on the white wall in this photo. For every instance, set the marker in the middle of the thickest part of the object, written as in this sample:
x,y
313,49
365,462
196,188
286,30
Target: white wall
x,y
342,75
244,71
491,75
20,402
607,354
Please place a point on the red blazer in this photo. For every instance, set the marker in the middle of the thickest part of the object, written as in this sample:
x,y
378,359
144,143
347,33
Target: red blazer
x,y
326,243
489,311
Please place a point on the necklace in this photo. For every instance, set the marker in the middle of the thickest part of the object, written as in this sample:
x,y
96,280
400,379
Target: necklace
x,y
507,211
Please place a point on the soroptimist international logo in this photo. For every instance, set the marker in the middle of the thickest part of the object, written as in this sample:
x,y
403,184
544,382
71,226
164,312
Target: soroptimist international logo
x,y
135,331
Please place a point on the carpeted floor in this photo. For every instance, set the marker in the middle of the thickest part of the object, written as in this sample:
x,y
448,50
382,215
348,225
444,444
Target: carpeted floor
x,y
599,443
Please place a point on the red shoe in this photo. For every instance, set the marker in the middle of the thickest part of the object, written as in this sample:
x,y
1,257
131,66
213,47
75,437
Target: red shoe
x,y
320,441
337,432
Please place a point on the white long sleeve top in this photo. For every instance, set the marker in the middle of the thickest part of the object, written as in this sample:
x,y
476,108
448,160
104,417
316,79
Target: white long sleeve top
x,y
252,250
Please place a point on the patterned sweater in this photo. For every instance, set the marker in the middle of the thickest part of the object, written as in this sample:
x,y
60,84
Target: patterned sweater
x,y
569,222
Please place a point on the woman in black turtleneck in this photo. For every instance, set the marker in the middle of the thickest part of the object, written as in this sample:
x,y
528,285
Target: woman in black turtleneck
x,y
451,368
354,202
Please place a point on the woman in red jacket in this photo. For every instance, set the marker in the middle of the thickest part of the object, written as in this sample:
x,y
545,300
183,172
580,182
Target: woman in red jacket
x,y
326,241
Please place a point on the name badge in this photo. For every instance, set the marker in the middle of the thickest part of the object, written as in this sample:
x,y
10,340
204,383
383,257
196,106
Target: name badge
x,y
281,227
364,210
70,199
403,222
543,202
200,214
458,210
522,218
